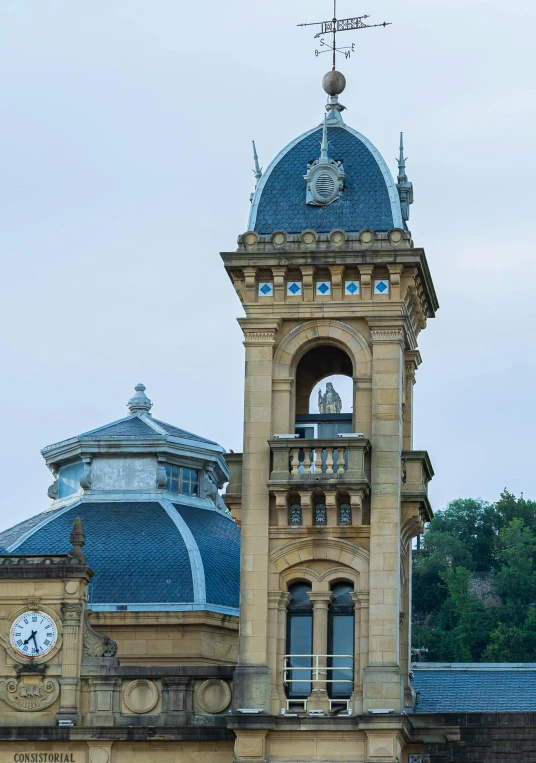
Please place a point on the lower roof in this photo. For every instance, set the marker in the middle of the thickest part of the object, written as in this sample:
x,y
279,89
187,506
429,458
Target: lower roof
x,y
475,687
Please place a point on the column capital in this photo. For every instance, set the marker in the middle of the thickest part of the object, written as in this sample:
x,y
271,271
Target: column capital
x,y
412,360
278,599
259,331
320,599
383,334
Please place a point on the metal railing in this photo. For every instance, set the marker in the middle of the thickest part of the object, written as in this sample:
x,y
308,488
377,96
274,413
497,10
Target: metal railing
x,y
316,672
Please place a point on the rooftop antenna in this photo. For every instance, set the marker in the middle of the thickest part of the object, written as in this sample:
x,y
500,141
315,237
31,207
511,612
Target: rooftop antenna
x,y
339,25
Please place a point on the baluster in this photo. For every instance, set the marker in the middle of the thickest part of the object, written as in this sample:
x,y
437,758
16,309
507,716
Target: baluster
x,y
329,461
318,460
340,460
295,462
307,460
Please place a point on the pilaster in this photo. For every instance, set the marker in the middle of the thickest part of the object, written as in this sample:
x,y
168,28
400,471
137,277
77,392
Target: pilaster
x,y
252,679
382,682
71,660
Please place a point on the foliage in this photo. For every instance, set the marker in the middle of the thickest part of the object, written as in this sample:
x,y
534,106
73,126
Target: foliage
x,y
498,542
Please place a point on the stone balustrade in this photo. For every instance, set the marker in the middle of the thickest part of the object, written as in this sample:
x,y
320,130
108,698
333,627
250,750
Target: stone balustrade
x,y
338,461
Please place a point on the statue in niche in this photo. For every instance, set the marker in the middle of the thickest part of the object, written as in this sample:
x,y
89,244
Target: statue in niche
x,y
330,401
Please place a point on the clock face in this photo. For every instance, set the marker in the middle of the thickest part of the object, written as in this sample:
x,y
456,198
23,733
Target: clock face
x,y
33,634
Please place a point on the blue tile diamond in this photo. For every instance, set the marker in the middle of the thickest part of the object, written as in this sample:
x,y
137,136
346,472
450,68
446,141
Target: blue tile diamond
x,y
294,288
265,289
351,288
323,288
380,287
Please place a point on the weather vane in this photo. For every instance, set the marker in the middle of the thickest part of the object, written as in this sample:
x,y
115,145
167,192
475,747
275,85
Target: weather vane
x,y
339,25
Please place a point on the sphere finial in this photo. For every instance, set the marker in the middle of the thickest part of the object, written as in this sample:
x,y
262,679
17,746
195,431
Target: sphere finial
x,y
334,82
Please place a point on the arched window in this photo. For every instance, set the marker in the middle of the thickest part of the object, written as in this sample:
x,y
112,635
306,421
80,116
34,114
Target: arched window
x,y
341,641
299,641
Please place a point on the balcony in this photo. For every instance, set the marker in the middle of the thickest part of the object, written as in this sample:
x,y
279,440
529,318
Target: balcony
x,y
327,464
417,472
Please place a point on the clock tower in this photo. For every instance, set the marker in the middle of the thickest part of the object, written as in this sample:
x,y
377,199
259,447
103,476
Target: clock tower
x,y
331,282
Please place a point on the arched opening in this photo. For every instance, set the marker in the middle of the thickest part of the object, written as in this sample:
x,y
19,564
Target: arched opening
x,y
298,674
324,393
341,641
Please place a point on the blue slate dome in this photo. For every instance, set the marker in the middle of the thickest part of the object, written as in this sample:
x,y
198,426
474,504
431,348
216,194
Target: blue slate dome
x,y
369,199
146,555
158,536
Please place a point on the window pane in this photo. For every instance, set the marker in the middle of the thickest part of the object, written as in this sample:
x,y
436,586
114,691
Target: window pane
x,y
342,644
341,595
299,598
300,642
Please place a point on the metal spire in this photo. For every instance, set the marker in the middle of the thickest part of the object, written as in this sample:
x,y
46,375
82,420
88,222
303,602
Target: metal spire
x,y
324,145
402,161
258,170
405,188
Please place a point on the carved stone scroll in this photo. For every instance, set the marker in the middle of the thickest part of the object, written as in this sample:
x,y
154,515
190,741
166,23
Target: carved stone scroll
x,y
97,644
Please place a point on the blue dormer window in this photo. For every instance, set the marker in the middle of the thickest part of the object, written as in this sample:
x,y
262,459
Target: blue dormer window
x,y
182,480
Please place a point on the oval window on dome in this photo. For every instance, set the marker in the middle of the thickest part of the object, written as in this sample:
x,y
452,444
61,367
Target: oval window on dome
x,y
325,185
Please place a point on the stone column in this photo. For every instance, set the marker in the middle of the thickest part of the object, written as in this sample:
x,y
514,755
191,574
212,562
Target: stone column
x,y
412,361
382,681
321,601
252,676
282,398
357,694
277,626
362,405
71,660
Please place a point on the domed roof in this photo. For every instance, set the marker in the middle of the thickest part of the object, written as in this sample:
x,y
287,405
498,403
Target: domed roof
x,y
158,535
369,198
146,555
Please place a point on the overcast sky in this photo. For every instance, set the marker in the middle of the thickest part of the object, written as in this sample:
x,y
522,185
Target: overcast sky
x,y
125,167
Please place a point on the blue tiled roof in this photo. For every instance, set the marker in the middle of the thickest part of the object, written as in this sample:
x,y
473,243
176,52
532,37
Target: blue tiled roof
x,y
459,690
134,426
369,198
182,433
219,544
138,553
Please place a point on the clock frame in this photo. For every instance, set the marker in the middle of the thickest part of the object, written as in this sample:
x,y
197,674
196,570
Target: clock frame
x,y
7,628
39,628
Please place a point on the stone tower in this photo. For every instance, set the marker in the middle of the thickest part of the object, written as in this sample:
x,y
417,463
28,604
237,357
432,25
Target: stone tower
x,y
331,283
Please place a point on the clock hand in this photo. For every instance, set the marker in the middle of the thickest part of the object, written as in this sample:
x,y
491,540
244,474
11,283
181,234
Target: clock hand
x,y
30,637
35,642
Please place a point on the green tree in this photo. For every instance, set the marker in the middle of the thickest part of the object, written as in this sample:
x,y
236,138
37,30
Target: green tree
x,y
496,540
515,580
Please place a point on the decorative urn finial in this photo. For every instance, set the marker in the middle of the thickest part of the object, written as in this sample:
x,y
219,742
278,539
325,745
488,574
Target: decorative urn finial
x,y
77,540
140,402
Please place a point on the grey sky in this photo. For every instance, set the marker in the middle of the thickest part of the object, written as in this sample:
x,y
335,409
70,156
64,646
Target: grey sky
x,y
125,168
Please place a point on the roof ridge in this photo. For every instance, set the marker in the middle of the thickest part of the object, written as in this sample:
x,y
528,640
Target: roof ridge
x,y
130,417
